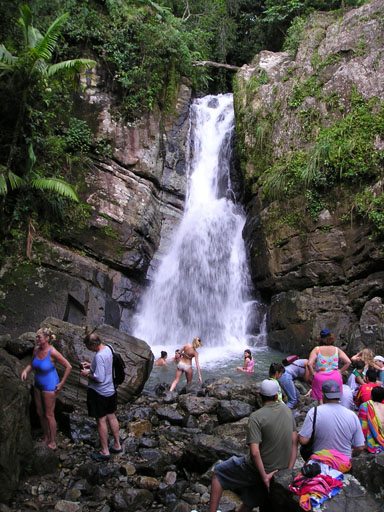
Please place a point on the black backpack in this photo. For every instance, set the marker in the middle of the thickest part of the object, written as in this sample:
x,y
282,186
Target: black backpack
x,y
118,367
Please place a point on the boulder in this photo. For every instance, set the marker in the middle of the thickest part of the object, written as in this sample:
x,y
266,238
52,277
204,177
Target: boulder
x,y
353,496
136,354
233,410
44,460
198,405
205,450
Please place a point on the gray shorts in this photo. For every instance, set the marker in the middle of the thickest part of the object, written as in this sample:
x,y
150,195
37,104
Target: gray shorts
x,y
236,475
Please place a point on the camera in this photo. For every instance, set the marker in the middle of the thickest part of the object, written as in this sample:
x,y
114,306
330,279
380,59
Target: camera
x,y
311,470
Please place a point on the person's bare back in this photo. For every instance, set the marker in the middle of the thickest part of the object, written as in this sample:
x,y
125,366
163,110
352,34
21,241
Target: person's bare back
x,y
379,407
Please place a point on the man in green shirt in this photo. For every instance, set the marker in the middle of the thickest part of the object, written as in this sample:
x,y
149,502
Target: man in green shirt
x,y
272,440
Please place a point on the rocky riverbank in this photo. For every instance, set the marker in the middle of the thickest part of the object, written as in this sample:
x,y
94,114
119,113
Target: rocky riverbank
x,y
171,441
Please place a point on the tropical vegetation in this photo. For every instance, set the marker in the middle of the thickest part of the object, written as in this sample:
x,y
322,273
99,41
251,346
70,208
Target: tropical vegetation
x,y
143,50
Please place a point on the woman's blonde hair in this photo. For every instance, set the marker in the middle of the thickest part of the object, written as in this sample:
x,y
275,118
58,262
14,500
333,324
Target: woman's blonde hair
x,y
46,331
196,343
367,356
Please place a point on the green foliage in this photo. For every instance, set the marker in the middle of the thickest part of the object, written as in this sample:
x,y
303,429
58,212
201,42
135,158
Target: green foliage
x,y
295,34
371,206
78,136
144,48
254,82
27,80
342,154
315,204
281,11
310,87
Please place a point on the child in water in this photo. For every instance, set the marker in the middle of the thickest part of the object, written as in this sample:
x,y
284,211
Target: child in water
x,y
249,363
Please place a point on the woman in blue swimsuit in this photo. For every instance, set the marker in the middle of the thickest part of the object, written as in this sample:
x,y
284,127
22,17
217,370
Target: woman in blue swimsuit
x,y
47,382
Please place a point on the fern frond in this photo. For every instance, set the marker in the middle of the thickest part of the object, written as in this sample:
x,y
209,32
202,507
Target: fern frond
x,y
56,185
74,65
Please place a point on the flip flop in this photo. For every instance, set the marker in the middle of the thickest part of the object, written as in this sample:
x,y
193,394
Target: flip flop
x,y
100,456
113,450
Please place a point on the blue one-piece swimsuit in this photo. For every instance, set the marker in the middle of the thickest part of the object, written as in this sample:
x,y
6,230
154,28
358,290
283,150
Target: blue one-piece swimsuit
x,y
46,378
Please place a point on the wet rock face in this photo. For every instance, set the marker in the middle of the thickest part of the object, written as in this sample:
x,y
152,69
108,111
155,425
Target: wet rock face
x,y
15,428
325,272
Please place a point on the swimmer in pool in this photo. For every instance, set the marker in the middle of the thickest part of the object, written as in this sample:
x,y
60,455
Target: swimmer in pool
x,y
188,352
162,360
47,382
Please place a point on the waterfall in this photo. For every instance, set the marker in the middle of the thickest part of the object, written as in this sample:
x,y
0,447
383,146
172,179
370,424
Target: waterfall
x,y
202,286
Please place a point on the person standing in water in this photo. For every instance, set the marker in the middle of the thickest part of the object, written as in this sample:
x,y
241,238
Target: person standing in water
x,y
188,352
249,363
47,382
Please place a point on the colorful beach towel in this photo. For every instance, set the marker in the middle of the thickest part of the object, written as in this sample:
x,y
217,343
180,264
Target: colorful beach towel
x,y
314,491
333,459
372,429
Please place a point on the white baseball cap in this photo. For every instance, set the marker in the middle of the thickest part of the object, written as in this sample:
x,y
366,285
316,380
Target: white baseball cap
x,y
379,358
269,388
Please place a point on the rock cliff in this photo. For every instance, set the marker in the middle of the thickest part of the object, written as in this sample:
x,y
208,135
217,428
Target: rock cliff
x,y
310,126
95,271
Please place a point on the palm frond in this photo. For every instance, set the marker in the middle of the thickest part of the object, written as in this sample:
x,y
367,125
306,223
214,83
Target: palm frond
x,y
47,44
56,185
74,65
34,36
6,57
8,179
15,181
3,185
25,21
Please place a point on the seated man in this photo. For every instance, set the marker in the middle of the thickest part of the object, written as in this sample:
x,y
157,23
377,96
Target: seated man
x,y
371,415
337,428
272,440
364,393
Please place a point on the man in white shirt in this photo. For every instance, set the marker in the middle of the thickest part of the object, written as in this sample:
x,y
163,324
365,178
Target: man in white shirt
x,y
101,395
337,428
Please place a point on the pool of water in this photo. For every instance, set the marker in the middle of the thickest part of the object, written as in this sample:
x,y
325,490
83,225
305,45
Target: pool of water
x,y
216,362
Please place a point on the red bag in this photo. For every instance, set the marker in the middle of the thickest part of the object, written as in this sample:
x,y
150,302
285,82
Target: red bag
x,y
289,360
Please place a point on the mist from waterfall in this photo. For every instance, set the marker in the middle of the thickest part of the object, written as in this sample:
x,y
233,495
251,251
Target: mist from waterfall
x,y
202,286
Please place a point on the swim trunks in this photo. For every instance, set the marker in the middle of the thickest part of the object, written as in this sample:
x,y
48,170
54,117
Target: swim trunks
x,y
46,378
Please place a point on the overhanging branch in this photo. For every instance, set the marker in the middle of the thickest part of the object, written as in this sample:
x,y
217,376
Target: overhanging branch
x,y
215,65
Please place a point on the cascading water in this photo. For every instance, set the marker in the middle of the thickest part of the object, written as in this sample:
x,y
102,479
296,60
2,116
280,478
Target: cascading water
x,y
201,287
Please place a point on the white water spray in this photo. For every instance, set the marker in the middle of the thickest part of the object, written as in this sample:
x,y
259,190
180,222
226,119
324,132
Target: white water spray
x,y
201,287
